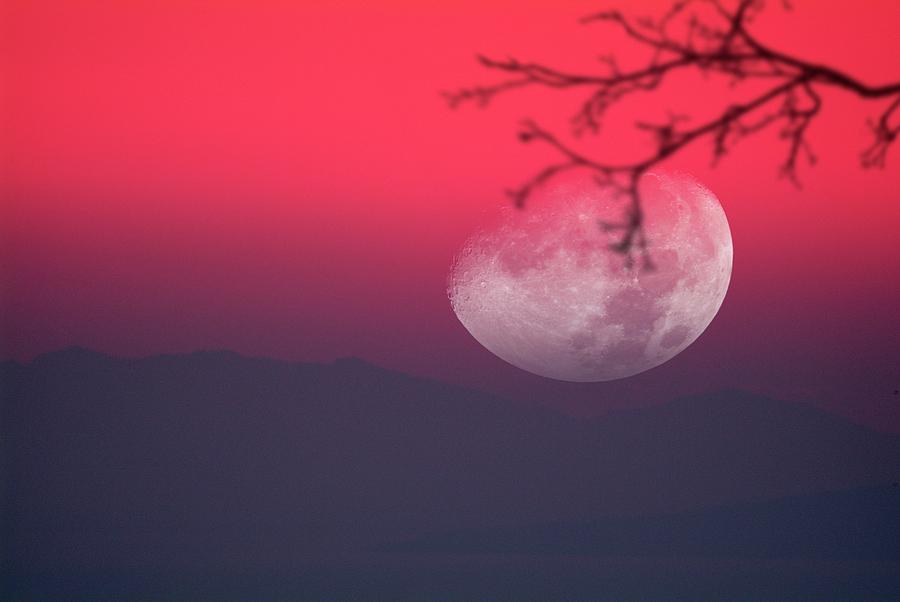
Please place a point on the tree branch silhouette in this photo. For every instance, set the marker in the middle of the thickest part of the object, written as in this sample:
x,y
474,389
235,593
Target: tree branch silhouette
x,y
720,44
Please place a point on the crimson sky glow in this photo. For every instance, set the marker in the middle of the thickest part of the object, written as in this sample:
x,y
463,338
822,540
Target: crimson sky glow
x,y
283,179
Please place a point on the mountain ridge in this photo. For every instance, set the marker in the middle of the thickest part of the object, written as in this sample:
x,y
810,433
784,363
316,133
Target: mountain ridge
x,y
138,459
80,353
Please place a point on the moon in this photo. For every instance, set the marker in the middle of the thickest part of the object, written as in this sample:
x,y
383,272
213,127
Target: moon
x,y
543,291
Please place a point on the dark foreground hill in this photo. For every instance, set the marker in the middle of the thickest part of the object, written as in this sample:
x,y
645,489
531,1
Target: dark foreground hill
x,y
215,460
855,524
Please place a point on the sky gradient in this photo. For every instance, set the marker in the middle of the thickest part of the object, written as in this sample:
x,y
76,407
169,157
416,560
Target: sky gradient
x,y
283,179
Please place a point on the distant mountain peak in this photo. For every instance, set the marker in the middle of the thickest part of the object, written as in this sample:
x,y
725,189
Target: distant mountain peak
x,y
350,360
69,354
356,364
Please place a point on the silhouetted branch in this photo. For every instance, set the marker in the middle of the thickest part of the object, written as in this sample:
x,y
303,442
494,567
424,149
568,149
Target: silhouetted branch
x,y
681,40
884,134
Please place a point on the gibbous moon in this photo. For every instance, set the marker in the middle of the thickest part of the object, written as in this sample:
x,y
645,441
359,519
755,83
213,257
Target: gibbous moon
x,y
544,292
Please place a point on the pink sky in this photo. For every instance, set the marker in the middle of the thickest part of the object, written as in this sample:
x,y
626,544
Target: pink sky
x,y
283,179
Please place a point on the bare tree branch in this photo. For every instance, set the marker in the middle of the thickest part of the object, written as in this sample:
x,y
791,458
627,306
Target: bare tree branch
x,y
685,38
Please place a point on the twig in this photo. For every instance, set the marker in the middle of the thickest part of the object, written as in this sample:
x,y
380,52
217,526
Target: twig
x,y
722,46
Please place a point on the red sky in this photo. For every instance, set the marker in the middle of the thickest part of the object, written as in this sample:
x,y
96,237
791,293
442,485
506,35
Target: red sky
x,y
283,179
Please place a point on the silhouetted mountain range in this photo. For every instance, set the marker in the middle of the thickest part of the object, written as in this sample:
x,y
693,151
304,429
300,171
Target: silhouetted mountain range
x,y
212,458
